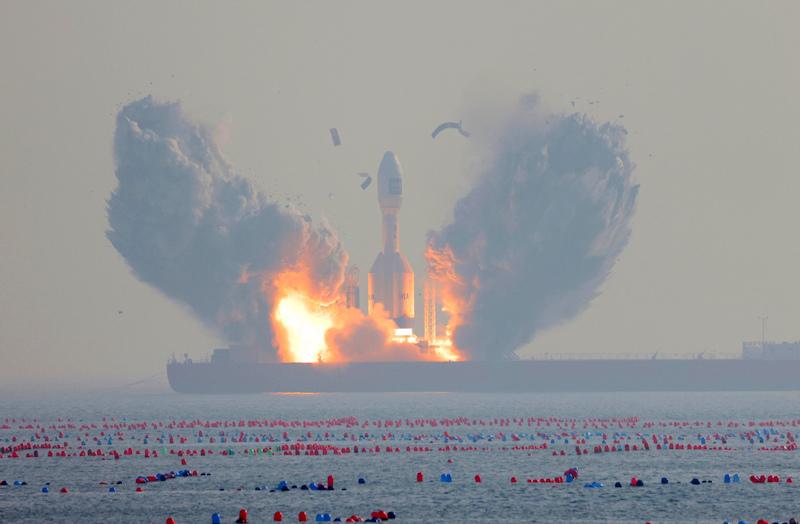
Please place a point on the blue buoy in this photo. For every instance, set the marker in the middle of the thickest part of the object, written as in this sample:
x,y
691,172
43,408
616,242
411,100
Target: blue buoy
x,y
112,489
639,483
618,484
216,518
735,477
362,480
664,480
726,479
45,490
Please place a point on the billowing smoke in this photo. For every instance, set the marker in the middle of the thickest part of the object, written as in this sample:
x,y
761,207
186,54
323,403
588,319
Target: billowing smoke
x,y
530,244
189,226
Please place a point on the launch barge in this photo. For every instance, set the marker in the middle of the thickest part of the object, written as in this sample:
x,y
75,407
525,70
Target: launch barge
x,y
745,374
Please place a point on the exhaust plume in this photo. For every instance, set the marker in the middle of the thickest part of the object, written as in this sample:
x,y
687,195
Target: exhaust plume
x,y
530,244
189,226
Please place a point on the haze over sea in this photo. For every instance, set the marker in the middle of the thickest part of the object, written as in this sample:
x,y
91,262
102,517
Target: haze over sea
x,y
391,477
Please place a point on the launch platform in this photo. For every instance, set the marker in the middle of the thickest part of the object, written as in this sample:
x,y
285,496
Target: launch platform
x,y
590,375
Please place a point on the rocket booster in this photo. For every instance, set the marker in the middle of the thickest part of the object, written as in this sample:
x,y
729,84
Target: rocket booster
x,y
391,280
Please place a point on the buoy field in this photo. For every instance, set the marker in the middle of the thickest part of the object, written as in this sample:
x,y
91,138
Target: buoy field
x,y
627,457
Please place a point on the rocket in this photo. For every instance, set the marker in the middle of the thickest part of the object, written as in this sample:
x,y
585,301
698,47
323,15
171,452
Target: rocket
x,y
391,280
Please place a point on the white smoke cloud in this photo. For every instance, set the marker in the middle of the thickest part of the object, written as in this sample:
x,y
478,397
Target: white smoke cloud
x,y
189,226
538,234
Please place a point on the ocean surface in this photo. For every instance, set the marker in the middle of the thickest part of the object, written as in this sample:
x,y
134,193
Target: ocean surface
x,y
496,436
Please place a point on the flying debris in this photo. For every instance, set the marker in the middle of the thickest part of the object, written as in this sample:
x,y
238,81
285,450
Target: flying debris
x,y
335,137
450,125
367,180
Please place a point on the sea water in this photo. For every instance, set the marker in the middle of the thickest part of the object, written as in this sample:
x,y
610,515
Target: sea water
x,y
390,478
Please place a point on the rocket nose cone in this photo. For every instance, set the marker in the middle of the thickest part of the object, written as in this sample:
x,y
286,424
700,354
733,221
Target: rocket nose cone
x,y
390,182
390,166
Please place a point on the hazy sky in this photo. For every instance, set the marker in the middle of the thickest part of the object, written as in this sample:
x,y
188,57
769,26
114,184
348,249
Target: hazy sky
x,y
709,92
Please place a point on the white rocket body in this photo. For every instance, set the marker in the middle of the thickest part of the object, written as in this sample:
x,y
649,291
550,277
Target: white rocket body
x,y
391,280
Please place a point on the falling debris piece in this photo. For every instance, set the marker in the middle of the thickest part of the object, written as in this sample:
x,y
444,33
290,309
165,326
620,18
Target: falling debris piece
x,y
335,137
449,125
367,180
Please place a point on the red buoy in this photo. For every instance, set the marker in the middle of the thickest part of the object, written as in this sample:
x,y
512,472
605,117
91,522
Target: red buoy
x,y
170,520
278,516
420,476
242,517
513,480
302,516
477,478
64,490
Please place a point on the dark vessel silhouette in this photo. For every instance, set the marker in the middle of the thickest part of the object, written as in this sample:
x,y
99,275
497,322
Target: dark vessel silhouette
x,y
768,370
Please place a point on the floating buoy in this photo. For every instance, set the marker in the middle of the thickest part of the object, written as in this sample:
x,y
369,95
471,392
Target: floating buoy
x,y
362,480
618,484
45,490
513,480
634,481
664,480
302,516
420,476
216,518
695,482
242,517
277,517
478,479
112,489
170,520
63,490
139,489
